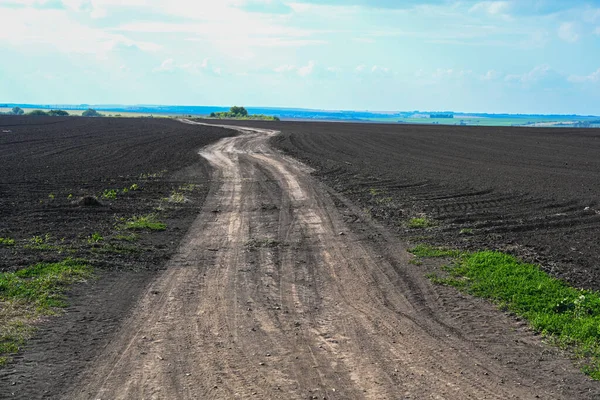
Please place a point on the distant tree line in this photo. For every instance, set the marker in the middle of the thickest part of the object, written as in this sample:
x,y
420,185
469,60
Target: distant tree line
x,y
51,113
236,112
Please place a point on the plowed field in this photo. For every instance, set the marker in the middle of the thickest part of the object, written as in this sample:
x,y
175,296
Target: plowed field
x,y
531,192
292,281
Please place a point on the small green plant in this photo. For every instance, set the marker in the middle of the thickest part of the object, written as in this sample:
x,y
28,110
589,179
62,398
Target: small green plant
x,y
374,192
95,238
189,187
423,250
109,194
30,293
176,197
134,187
51,196
70,196
420,222
6,241
466,231
153,175
145,222
125,190
40,243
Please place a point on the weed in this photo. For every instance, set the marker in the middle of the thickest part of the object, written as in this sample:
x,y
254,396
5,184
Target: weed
x,y
374,192
70,196
176,197
415,261
29,293
569,316
6,241
51,196
466,231
125,190
154,175
95,238
149,222
421,222
189,187
40,243
131,237
422,250
109,194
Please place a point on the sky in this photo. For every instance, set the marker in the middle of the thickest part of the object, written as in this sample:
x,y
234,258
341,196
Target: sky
x,y
513,56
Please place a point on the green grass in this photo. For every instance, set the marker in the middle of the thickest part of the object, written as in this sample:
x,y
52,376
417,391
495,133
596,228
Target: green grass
x,y
29,293
420,222
569,316
95,238
110,194
153,175
41,243
6,241
145,222
176,197
423,250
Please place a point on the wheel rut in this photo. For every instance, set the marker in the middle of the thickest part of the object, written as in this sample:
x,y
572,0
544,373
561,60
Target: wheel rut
x,y
272,295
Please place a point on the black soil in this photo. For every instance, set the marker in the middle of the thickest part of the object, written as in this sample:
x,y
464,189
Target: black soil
x,y
533,192
52,172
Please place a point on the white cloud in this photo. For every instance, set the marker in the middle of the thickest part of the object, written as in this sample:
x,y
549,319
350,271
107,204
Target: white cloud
x,y
535,75
498,8
53,28
567,31
307,69
375,69
593,77
441,73
490,75
285,68
169,65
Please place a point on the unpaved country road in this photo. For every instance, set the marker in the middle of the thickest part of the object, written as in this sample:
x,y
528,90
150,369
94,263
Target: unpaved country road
x,y
267,299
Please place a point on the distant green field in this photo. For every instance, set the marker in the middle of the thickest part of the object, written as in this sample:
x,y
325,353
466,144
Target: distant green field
x,y
478,121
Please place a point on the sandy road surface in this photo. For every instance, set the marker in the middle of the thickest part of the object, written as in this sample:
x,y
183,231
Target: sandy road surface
x,y
271,295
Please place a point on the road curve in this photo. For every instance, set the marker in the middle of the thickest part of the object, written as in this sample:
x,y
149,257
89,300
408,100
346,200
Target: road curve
x,y
273,296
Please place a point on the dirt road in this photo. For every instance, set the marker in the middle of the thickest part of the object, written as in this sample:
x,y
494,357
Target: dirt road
x,y
276,293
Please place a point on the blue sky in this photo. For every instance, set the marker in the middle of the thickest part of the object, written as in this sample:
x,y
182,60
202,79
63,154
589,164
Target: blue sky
x,y
527,56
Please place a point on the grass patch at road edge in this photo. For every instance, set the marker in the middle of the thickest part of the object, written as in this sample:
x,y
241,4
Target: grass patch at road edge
x,y
423,250
420,222
32,292
568,316
148,222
